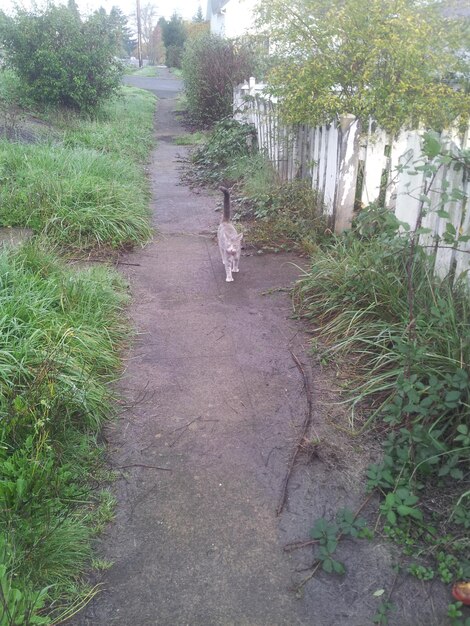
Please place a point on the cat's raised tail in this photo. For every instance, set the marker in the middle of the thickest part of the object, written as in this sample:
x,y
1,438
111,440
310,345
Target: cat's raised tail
x,y
226,192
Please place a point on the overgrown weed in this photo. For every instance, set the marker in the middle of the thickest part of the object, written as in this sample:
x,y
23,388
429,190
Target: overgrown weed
x,y
281,216
414,387
61,333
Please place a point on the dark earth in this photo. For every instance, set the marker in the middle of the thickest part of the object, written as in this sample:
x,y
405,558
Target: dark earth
x,y
214,403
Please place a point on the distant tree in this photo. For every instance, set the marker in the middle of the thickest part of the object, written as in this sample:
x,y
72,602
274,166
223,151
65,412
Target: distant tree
x,y
125,41
174,33
62,60
156,46
174,37
199,17
148,15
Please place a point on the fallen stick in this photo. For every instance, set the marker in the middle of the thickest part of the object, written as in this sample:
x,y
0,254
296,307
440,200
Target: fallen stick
x,y
164,469
113,262
183,430
305,428
296,545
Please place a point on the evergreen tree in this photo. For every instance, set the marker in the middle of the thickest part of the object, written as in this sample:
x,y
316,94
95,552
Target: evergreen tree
x,y
199,17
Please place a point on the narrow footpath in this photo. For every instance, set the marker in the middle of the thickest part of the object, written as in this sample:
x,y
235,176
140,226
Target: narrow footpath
x,y
213,402
212,396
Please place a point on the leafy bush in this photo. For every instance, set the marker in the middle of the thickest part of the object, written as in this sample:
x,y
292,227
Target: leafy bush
x,y
212,66
395,61
62,60
228,141
174,56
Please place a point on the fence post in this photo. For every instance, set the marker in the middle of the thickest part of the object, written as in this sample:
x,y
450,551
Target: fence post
x,y
347,172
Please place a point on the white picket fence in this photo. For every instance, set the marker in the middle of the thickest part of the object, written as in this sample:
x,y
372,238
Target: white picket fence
x,y
337,158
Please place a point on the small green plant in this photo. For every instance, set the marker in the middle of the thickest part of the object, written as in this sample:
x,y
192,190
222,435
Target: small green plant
x,y
455,614
101,564
421,572
329,533
381,616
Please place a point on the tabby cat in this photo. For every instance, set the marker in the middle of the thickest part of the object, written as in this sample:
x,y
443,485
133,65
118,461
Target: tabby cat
x,y
230,242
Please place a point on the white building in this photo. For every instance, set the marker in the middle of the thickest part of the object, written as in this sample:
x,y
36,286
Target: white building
x,y
230,18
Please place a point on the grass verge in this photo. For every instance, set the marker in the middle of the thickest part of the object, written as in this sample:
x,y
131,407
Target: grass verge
x,y
410,381
88,191
60,334
82,187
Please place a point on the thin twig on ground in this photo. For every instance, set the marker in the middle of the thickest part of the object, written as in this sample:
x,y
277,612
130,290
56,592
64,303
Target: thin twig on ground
x,y
183,430
164,469
305,428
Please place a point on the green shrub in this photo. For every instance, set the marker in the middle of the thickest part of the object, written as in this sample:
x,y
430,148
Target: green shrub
x,y
228,141
62,60
174,56
212,66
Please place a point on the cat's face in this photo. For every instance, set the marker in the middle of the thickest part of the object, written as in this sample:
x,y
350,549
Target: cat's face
x,y
234,246
232,250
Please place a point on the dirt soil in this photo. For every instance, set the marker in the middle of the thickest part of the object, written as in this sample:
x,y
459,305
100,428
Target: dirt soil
x,y
214,404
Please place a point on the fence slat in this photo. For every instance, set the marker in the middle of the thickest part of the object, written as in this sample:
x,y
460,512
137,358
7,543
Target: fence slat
x,y
375,163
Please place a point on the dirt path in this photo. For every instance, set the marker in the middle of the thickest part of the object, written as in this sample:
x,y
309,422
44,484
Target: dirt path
x,y
215,399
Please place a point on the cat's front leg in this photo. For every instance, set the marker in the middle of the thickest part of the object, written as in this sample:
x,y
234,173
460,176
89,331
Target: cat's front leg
x,y
228,270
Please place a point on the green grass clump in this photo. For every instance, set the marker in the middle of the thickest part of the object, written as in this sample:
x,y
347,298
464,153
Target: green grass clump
x,y
60,332
191,139
357,292
148,70
78,198
123,127
90,190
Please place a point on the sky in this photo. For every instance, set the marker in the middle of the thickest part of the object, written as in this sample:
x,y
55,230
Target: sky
x,y
186,8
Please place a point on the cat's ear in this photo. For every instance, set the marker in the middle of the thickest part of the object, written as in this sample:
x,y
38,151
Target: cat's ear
x,y
240,237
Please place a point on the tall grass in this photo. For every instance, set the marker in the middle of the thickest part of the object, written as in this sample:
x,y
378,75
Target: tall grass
x,y
123,127
90,190
60,331
408,377
356,292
